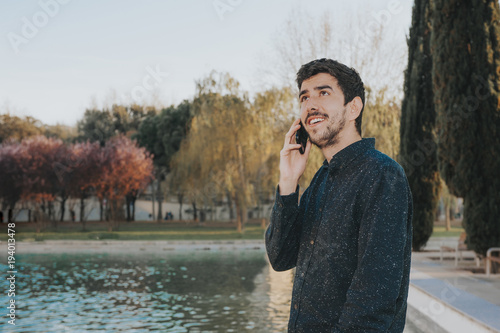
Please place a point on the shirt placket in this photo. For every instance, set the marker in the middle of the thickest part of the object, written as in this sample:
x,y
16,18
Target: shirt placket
x,y
325,187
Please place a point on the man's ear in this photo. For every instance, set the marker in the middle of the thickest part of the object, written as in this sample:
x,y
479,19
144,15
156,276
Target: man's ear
x,y
354,108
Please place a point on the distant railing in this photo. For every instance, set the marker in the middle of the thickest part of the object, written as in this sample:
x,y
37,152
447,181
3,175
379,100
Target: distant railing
x,y
490,258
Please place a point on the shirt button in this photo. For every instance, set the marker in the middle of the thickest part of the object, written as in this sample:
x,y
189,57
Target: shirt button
x,y
320,210
302,274
312,242
295,306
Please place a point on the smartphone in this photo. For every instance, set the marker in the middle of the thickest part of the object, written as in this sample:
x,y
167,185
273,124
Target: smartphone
x,y
301,138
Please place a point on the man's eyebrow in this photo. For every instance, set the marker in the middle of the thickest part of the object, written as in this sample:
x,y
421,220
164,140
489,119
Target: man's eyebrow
x,y
323,87
316,88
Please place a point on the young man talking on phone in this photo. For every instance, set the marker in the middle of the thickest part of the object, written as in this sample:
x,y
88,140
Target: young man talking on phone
x,y
350,237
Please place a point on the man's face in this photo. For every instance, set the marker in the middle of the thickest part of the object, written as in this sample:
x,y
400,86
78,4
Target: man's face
x,y
322,109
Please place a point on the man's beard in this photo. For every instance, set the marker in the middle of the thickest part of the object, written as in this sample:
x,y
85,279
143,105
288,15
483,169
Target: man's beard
x,y
330,136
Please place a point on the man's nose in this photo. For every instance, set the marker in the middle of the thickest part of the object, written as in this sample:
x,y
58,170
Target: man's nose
x,y
311,105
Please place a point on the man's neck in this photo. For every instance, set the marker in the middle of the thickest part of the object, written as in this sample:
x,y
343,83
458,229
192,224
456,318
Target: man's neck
x,y
345,139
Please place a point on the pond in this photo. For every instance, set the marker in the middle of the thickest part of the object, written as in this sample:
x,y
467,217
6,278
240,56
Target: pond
x,y
188,291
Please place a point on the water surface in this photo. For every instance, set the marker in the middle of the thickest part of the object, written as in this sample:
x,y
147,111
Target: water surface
x,y
190,291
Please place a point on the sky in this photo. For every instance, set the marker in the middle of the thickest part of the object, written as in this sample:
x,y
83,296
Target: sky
x,y
59,57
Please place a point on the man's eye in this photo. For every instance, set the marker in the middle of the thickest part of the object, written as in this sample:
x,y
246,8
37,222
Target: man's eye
x,y
324,93
304,98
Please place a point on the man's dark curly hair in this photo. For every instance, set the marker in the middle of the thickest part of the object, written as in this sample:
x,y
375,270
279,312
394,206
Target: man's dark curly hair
x,y
348,80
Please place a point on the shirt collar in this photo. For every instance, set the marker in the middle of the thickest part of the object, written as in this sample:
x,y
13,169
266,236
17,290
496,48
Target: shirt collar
x,y
349,153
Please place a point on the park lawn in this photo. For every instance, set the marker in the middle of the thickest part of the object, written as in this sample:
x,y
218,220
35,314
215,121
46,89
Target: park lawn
x,y
155,231
136,231
441,232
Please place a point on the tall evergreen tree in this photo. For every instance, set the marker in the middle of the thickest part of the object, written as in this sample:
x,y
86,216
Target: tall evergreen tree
x,y
418,116
466,79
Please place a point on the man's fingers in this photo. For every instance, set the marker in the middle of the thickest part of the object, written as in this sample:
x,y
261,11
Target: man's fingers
x,y
308,147
295,126
294,146
290,147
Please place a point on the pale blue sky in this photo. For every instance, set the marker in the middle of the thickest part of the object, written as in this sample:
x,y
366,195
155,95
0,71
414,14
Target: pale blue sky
x,y
90,48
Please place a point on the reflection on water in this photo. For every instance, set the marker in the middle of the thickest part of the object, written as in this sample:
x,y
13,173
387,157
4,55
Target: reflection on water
x,y
177,292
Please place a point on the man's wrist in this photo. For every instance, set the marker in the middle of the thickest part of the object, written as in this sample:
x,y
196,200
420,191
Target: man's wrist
x,y
287,186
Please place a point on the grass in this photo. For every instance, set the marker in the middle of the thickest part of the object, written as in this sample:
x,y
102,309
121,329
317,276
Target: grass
x,y
135,231
155,231
441,232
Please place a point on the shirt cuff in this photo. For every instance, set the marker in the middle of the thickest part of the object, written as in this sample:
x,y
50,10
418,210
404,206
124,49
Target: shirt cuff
x,y
289,199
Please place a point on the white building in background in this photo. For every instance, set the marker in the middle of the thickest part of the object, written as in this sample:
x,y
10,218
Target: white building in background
x,y
143,211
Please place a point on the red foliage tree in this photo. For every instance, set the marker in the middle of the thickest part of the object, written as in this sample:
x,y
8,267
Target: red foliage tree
x,y
11,179
86,172
40,181
126,168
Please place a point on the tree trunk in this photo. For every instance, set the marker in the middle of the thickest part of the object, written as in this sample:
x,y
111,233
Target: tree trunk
x,y
52,214
38,220
180,198
82,212
195,212
127,204
153,199
101,210
133,209
447,215
113,218
239,224
243,201
160,201
63,208
230,206
213,207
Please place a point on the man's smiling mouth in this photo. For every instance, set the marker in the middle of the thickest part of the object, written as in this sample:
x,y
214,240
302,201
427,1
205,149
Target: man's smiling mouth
x,y
315,120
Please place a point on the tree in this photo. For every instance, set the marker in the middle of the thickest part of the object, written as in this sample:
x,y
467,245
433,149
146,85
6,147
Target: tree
x,y
381,120
465,47
40,180
11,177
125,168
127,119
450,205
66,133
15,128
85,170
418,148
162,135
274,114
222,134
96,126
360,43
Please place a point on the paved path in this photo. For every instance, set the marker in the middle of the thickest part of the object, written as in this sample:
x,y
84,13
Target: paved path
x,y
455,298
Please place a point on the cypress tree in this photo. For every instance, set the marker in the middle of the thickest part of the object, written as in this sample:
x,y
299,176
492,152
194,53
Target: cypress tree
x,y
466,79
418,146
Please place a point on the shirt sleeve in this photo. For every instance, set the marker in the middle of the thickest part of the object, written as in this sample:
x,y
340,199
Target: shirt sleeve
x,y
283,233
384,236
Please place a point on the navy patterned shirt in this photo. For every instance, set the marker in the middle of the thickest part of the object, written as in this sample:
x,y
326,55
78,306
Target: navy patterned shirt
x,y
350,242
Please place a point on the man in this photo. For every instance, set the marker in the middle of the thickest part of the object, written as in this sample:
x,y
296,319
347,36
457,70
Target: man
x,y
350,237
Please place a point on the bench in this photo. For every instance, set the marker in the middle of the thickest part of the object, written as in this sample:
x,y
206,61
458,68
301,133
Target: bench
x,y
458,249
490,258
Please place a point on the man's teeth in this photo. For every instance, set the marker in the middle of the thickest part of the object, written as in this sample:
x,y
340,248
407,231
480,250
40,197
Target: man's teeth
x,y
316,120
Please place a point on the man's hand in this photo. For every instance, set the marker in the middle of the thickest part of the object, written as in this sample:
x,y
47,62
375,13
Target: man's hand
x,y
292,162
